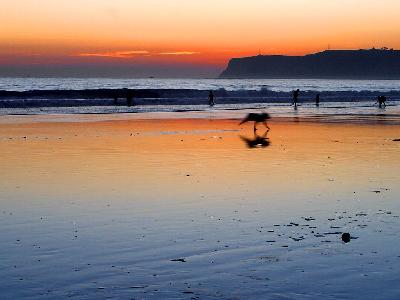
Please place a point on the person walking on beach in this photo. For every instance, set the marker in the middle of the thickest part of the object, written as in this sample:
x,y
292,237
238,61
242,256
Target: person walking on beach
x,y
295,97
211,102
317,100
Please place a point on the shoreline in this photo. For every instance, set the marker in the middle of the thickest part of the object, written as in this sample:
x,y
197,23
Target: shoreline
x,y
238,114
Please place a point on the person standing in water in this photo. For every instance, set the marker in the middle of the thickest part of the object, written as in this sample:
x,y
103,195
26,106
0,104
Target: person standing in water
x,y
381,101
317,100
211,102
295,97
129,98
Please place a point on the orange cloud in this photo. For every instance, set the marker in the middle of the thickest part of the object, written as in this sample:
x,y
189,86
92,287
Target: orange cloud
x,y
135,53
117,54
179,53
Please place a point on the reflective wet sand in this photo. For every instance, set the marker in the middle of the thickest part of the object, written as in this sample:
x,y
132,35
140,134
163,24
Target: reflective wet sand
x,y
180,208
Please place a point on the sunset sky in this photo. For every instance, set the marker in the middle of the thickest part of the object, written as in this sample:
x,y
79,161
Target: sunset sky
x,y
174,38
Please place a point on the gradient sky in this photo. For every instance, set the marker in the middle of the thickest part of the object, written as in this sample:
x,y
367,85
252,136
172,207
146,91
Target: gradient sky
x,y
180,37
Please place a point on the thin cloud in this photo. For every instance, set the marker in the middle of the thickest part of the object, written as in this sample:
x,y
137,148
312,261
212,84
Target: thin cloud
x,y
116,54
134,53
179,53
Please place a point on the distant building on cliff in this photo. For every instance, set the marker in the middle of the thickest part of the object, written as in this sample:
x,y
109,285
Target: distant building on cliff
x,y
330,64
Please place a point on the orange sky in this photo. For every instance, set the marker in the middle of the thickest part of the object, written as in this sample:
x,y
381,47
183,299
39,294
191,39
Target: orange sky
x,y
195,32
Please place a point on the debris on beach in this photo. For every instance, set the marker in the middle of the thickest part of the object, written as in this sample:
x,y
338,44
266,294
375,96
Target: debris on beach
x,y
179,260
396,140
297,239
346,237
361,214
293,224
138,286
188,292
332,233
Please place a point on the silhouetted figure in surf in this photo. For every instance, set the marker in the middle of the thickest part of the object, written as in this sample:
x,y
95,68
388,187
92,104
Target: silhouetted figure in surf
x,y
381,101
261,141
129,97
317,100
295,97
211,102
257,118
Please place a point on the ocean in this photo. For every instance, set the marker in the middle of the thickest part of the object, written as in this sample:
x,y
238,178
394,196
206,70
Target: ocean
x,y
278,85
343,98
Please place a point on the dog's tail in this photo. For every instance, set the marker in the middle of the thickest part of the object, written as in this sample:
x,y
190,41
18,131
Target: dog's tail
x,y
244,121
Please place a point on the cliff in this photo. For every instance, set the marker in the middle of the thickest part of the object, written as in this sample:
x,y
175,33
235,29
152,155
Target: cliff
x,y
334,64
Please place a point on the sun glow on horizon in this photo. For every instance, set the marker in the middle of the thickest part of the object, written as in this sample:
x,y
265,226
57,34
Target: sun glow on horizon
x,y
204,32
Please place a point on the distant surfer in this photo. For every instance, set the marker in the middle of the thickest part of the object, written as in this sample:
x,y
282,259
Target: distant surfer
x,y
211,102
295,97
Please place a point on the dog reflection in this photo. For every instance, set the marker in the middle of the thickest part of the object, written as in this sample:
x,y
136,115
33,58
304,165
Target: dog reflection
x,y
258,141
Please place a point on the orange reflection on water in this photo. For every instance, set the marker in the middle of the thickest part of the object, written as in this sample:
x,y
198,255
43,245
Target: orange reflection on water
x,y
191,159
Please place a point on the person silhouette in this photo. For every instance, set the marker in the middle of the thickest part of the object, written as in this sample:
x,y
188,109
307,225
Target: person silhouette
x,y
317,100
295,97
129,98
211,102
381,101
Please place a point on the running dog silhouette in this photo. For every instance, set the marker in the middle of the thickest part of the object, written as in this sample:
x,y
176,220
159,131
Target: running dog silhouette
x,y
258,140
257,118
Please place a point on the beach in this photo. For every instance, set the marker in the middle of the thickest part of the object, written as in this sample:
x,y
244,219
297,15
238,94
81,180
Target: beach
x,y
157,206
200,150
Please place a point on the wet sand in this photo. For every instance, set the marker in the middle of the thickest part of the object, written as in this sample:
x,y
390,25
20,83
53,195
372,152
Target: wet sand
x,y
95,207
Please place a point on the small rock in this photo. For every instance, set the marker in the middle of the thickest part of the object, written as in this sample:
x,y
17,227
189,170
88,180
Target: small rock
x,y
346,237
